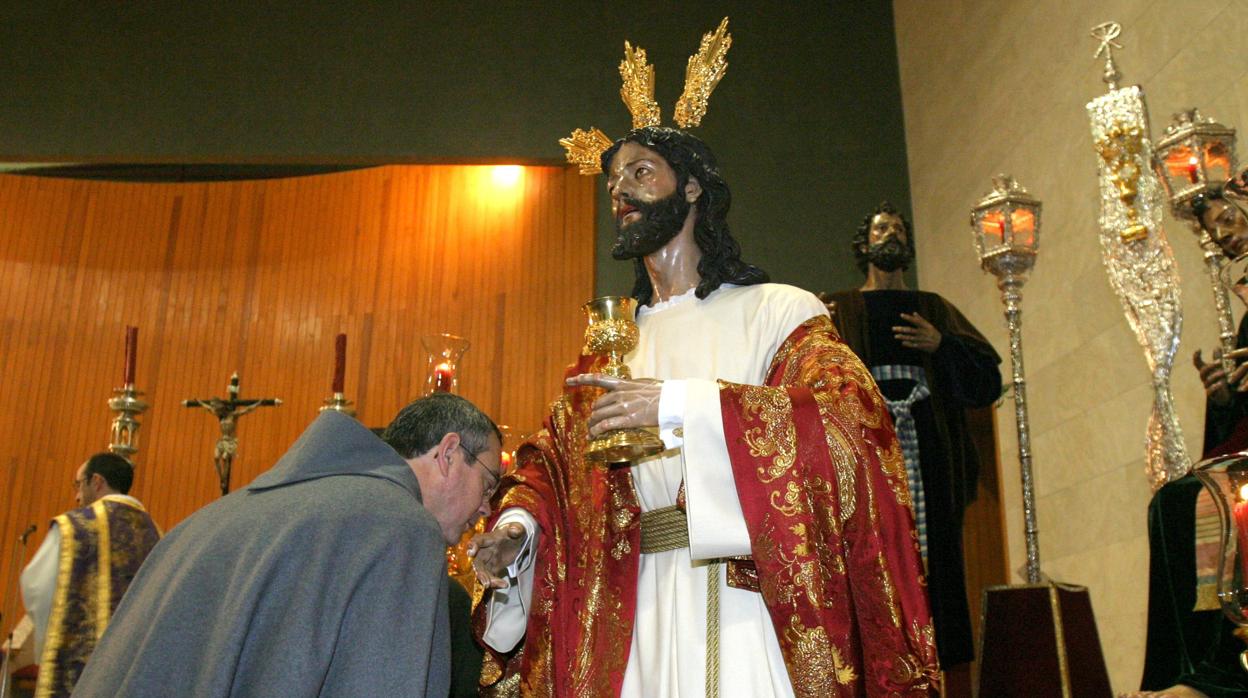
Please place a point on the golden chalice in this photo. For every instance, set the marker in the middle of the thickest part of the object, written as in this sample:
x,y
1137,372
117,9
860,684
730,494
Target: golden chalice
x,y
612,332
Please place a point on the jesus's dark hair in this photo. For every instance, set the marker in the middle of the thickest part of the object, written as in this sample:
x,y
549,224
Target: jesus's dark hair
x,y
689,157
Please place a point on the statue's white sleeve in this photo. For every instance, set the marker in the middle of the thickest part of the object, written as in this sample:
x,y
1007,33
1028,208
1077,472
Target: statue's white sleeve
x,y
716,524
508,610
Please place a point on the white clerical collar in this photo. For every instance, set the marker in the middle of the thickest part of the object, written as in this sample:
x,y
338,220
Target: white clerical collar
x,y
687,296
671,302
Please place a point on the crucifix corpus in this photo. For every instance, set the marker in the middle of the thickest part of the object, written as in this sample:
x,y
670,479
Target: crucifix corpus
x,y
227,412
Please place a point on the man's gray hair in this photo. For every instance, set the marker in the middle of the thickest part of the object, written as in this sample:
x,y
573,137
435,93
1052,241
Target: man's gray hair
x,y
422,424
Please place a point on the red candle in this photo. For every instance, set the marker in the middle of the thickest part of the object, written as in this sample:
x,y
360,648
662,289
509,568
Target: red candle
x,y
340,362
443,377
1191,171
1240,511
132,345
506,461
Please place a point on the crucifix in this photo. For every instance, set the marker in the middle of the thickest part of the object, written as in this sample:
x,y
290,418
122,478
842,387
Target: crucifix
x,y
227,413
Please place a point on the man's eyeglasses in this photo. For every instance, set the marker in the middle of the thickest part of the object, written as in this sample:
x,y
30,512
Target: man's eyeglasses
x,y
492,483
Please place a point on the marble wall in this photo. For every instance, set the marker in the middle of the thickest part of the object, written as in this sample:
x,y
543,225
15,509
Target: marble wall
x,y
991,86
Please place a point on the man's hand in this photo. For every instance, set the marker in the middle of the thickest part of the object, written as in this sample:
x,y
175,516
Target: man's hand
x,y
493,551
922,335
1217,384
630,403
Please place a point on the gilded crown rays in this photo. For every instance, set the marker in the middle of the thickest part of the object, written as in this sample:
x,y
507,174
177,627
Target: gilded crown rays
x,y
702,74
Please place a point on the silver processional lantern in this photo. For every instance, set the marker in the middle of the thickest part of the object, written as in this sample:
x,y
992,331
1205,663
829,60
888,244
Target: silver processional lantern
x,y
1006,228
1197,155
1063,655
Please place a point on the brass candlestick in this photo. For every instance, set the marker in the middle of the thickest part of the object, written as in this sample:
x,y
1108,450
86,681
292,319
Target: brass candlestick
x,y
612,332
339,403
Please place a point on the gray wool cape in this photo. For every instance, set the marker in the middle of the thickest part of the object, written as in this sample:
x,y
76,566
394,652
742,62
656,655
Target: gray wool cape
x,y
326,576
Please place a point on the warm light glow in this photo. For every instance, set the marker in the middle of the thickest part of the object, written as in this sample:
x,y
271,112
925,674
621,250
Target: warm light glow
x,y
1243,492
507,460
1023,225
1217,161
993,225
443,377
507,175
1181,162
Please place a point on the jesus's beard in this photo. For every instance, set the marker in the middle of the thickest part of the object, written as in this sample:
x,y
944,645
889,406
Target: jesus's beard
x,y
660,222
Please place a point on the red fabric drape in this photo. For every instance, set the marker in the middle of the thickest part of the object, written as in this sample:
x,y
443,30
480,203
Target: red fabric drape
x,y
822,485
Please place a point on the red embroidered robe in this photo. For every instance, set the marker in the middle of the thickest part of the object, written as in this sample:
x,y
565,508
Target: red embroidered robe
x,y
822,486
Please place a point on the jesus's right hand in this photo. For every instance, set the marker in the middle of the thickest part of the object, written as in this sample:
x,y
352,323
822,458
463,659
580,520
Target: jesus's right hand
x,y
493,551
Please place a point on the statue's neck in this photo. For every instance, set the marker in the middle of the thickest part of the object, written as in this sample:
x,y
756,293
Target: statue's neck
x,y
673,269
880,280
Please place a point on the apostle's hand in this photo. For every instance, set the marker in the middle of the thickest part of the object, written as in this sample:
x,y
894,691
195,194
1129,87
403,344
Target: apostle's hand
x,y
493,551
1217,384
630,403
920,334
826,298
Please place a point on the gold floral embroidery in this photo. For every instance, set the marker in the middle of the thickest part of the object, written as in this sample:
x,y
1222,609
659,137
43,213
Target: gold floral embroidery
x,y
778,438
491,670
808,580
822,661
893,465
890,594
835,369
793,500
914,672
843,461
621,548
802,548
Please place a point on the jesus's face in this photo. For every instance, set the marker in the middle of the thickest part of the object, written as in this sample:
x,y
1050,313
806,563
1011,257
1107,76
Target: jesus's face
x,y
648,208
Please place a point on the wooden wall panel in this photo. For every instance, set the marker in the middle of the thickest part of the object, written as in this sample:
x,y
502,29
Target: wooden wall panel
x,y
258,277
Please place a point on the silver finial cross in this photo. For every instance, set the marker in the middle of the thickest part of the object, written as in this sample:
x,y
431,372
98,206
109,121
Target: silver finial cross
x,y
1106,32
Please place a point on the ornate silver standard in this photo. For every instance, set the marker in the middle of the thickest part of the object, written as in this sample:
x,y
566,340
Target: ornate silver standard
x,y
612,332
227,413
126,403
1006,226
1135,251
1197,154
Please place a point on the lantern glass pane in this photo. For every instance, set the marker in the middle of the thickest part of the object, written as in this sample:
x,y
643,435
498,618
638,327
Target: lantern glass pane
x,y
992,228
1217,161
1023,225
1182,167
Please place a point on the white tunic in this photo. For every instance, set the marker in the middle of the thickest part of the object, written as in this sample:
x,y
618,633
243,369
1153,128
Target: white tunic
x,y
689,343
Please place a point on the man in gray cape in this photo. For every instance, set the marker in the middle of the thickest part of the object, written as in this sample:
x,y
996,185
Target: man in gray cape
x,y
325,576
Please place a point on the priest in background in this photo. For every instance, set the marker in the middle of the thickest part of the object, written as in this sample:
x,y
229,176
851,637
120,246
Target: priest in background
x,y
932,365
77,577
325,576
